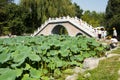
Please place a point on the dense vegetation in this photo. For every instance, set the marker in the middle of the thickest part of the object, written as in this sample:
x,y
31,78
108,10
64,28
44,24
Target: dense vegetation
x,y
44,57
28,15
94,18
113,16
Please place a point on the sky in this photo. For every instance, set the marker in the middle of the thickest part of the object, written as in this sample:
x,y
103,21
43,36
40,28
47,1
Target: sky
x,y
16,1
92,5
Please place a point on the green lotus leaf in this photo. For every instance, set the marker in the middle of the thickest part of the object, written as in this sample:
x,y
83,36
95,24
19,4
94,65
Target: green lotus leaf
x,y
64,53
19,57
57,72
64,46
79,58
27,67
17,64
26,77
4,70
96,44
45,78
86,55
15,53
1,48
44,71
9,75
45,59
53,52
84,46
6,50
45,46
35,73
72,58
100,48
38,49
4,57
52,65
74,49
93,53
18,72
34,57
59,63
1,41
73,63
68,71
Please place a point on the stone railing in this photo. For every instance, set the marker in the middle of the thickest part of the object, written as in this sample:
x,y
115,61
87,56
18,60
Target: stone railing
x,y
74,20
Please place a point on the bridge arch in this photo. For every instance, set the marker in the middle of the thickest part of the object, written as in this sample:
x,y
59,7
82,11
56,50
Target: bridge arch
x,y
78,34
60,30
65,25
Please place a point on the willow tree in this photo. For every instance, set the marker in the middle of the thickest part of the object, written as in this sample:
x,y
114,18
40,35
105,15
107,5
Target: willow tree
x,y
31,21
41,10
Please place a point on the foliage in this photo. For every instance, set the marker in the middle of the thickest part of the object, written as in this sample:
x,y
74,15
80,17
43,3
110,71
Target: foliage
x,y
30,14
16,19
12,20
113,16
3,14
40,57
17,27
78,11
41,10
93,18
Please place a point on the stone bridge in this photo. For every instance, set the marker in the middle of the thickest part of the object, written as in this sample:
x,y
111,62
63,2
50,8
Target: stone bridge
x,y
65,25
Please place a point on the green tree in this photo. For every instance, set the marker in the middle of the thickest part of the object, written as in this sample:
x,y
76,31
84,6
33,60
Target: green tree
x,y
41,10
16,17
78,11
16,26
3,15
94,18
113,16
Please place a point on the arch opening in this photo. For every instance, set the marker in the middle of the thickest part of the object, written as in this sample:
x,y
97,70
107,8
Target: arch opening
x,y
79,34
60,30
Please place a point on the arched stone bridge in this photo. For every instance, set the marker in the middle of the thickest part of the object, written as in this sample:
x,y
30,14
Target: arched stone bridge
x,y
73,26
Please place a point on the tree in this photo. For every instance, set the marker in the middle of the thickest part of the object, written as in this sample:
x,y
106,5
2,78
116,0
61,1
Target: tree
x,y
3,15
16,26
93,18
78,11
16,17
41,10
113,16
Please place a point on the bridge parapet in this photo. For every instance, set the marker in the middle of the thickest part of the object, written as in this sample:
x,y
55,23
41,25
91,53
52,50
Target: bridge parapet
x,y
74,20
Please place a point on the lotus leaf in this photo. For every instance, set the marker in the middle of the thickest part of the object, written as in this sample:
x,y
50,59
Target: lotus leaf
x,y
34,57
18,72
19,57
4,57
35,73
26,77
9,75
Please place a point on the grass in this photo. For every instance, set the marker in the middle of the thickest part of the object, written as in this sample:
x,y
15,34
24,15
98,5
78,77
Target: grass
x,y
116,51
106,70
